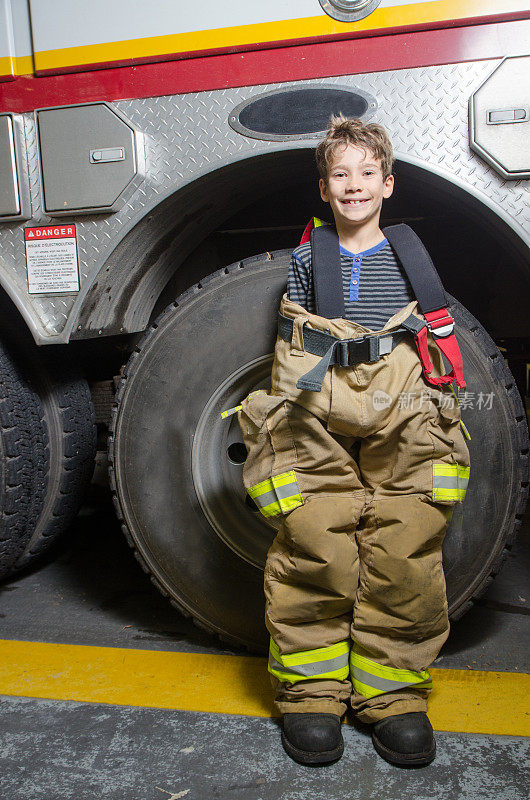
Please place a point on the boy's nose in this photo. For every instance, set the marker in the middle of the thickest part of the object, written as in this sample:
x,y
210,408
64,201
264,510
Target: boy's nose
x,y
353,183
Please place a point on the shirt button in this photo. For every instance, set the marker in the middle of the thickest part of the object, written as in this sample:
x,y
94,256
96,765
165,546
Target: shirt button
x,y
354,282
354,269
357,259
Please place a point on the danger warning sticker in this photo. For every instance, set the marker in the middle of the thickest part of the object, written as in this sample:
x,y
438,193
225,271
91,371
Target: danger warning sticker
x,y
51,259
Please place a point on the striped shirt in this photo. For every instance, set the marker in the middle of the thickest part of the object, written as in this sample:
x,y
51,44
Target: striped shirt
x,y
374,283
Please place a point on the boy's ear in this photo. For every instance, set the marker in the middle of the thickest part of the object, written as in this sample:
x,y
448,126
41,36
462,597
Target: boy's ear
x,y
388,186
322,185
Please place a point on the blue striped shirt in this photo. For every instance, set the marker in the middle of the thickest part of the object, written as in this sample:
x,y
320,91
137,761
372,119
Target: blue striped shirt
x,y
374,283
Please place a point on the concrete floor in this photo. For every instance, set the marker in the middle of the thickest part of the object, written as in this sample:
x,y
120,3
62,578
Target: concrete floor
x,y
55,750
94,592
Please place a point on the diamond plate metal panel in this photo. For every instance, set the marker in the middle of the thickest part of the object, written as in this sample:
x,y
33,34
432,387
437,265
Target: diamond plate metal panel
x,y
188,136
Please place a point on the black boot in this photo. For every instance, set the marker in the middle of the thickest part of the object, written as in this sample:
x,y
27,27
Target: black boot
x,y
313,738
405,740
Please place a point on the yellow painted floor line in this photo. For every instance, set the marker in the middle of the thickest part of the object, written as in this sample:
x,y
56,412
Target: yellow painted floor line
x,y
462,700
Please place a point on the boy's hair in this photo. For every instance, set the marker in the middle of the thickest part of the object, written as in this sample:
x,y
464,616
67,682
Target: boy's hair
x,y
344,131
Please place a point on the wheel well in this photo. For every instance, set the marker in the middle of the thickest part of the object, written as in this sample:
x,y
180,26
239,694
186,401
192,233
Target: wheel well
x,y
263,203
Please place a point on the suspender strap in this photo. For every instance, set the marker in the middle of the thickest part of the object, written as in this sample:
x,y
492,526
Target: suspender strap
x,y
448,344
327,272
432,300
423,277
417,263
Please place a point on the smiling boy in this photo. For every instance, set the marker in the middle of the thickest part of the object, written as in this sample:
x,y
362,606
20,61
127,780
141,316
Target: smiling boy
x,y
354,585
355,187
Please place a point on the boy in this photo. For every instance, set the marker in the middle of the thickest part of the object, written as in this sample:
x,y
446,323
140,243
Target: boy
x,y
354,585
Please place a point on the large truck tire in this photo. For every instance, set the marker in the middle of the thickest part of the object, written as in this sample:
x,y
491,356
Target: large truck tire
x,y
67,414
23,460
176,465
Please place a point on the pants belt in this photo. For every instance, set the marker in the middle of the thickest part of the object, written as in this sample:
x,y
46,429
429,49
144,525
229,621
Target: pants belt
x,y
343,352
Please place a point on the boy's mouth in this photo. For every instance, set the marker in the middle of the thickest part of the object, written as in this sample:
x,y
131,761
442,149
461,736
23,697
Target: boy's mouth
x,y
354,202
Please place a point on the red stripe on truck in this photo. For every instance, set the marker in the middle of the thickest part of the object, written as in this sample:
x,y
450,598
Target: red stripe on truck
x,y
298,62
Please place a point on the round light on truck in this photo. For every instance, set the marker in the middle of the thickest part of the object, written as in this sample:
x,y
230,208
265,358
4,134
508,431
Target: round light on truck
x,y
349,10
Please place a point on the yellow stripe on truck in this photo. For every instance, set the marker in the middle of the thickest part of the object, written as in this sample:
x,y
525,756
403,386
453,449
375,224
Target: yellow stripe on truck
x,y
264,32
21,65
469,701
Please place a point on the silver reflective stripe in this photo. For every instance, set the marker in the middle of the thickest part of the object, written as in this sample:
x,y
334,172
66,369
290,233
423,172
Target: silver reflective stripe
x,y
310,670
446,482
279,493
385,345
385,685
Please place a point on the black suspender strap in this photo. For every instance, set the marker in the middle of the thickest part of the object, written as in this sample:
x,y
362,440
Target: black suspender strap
x,y
410,250
420,270
327,272
426,285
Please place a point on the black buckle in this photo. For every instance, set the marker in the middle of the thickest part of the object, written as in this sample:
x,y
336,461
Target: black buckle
x,y
343,355
353,351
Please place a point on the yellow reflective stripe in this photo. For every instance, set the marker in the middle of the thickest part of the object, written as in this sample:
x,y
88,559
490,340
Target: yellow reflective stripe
x,y
271,510
281,506
463,478
462,425
277,495
260,488
465,430
445,483
288,677
288,503
322,663
230,411
309,656
440,493
371,679
284,479
391,673
317,222
450,482
366,691
448,470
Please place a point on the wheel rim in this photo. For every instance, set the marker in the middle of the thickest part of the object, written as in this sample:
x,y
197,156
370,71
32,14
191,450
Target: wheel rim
x,y
218,456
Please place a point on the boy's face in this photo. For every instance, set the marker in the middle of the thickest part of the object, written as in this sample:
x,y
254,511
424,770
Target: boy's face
x,y
355,187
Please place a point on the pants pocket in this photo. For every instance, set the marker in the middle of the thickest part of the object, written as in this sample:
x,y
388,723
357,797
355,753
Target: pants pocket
x,y
450,466
268,473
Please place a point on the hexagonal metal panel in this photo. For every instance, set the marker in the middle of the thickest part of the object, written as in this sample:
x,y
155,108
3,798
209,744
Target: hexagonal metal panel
x,y
88,157
499,118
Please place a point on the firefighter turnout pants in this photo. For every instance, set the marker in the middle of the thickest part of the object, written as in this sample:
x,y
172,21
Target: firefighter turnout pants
x,y
363,476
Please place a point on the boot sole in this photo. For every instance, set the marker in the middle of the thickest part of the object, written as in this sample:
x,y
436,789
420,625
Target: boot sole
x,y
404,759
304,757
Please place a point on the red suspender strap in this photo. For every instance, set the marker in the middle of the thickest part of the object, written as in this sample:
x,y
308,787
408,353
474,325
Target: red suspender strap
x,y
440,324
306,236
423,351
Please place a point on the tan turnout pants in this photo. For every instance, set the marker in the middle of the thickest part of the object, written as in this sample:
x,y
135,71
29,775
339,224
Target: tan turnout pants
x,y
354,585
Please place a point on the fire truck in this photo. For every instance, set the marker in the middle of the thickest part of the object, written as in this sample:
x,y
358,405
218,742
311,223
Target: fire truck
x,y
156,170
